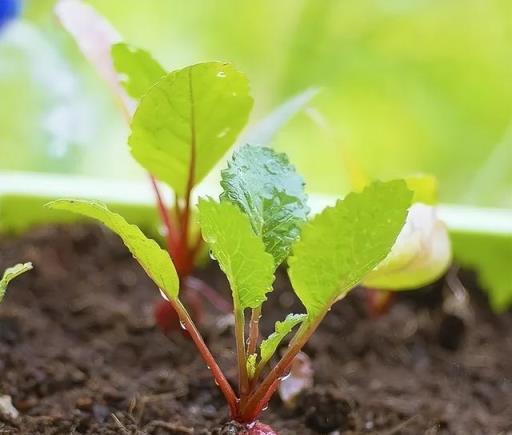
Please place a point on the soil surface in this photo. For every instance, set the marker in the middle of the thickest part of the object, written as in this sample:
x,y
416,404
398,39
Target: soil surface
x,y
80,353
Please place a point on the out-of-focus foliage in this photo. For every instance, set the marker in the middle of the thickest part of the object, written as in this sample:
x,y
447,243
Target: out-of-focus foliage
x,y
492,256
407,86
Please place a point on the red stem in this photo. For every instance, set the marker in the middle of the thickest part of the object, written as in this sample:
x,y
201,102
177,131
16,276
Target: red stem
x,y
208,358
260,406
254,330
243,379
258,400
164,216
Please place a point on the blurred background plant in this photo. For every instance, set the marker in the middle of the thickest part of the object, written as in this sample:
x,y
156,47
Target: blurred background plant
x,y
407,86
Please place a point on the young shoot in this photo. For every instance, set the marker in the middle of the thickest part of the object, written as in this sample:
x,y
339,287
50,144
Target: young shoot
x,y
184,122
11,273
260,222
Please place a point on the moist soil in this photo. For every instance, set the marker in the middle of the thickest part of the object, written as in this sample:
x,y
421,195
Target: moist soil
x,y
80,353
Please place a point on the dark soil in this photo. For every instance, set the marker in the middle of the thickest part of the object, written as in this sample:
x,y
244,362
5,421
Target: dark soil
x,y
80,354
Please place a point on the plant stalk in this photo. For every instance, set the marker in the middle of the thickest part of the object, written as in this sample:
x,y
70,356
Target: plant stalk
x,y
254,331
208,358
164,216
243,378
259,399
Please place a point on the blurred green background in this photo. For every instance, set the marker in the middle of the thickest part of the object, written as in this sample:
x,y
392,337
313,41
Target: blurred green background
x,y
407,86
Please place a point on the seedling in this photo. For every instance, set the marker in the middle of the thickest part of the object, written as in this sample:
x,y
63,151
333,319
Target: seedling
x,y
261,221
11,273
186,121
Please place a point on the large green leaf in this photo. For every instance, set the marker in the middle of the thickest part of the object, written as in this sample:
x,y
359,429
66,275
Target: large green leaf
x,y
138,69
268,189
188,120
339,246
240,253
269,346
11,273
155,261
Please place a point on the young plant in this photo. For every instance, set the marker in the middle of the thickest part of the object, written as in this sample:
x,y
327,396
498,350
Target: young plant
x,y
259,223
185,122
11,273
182,127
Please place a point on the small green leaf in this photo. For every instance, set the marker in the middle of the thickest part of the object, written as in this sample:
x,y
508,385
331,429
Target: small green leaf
x,y
155,261
138,69
269,346
240,253
11,273
251,365
188,120
339,246
267,188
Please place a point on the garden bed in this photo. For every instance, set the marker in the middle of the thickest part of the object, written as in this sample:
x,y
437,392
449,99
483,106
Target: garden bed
x,y
80,353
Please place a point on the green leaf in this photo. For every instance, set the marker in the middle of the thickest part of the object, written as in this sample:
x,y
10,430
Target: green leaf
x,y
421,254
155,261
11,273
491,256
267,188
188,120
240,253
138,69
339,246
269,346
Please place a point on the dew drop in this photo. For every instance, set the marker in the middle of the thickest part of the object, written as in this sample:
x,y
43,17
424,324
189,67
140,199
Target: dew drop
x,y
264,408
210,253
182,325
285,376
221,74
163,295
